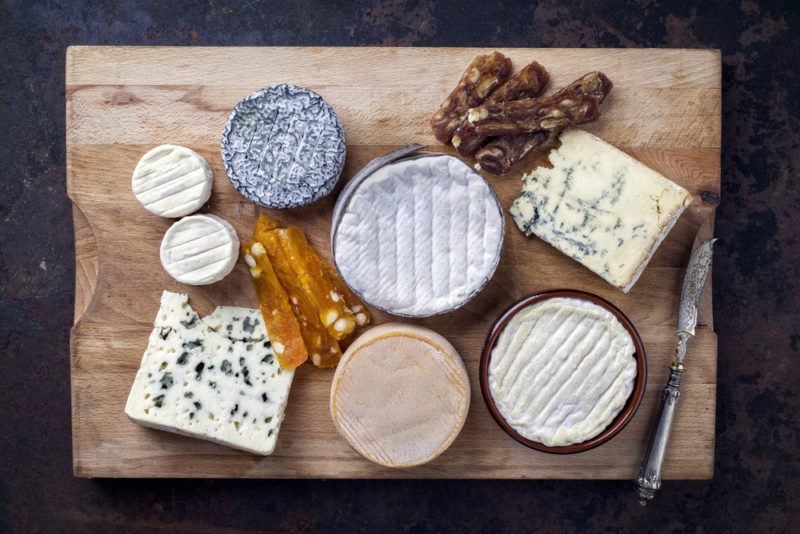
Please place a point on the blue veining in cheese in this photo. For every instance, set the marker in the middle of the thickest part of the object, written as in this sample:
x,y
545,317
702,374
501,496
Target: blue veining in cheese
x,y
600,207
214,378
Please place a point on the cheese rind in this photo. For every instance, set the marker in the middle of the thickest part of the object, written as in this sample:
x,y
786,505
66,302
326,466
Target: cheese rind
x,y
400,395
200,249
420,236
283,147
600,207
561,371
201,380
172,181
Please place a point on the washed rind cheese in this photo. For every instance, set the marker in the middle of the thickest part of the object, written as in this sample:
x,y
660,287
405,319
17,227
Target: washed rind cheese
x,y
200,249
419,237
561,371
172,181
600,207
400,395
200,380
283,147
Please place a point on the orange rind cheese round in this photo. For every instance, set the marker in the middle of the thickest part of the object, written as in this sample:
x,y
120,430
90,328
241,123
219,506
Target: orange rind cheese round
x,y
400,395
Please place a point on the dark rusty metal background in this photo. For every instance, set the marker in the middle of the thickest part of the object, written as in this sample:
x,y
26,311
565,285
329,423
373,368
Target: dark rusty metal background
x,y
756,292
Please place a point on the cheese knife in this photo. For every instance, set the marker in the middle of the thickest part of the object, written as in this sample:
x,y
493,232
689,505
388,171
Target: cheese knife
x,y
649,479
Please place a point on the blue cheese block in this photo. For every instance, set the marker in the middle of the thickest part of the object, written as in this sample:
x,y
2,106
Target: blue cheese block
x,y
237,324
205,380
283,147
600,207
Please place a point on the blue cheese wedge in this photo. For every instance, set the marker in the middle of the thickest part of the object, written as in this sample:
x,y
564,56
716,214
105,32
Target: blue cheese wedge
x,y
600,207
172,181
202,379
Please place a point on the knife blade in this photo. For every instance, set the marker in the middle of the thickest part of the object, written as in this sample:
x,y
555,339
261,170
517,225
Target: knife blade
x,y
649,479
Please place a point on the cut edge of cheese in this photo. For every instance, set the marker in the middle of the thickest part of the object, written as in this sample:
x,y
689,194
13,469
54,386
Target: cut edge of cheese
x,y
657,243
637,264
165,318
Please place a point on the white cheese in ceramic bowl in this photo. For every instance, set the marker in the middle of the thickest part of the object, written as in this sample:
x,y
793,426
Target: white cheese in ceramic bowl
x,y
561,371
418,237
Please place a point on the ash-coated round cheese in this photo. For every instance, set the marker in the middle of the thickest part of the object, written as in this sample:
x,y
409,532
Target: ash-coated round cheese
x,y
200,249
283,147
400,395
172,181
418,237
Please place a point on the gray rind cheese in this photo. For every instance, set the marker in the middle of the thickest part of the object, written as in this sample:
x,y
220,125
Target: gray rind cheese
x,y
200,249
172,181
198,379
600,207
420,236
561,371
283,147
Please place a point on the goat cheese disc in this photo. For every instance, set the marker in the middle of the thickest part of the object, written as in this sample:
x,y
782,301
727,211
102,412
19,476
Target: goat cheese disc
x,y
200,249
420,236
283,147
172,181
214,378
400,395
561,370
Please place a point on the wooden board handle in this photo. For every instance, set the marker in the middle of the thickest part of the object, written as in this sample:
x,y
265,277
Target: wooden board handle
x,y
86,264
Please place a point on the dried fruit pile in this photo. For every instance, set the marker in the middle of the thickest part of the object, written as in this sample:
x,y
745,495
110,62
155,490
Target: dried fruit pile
x,y
501,121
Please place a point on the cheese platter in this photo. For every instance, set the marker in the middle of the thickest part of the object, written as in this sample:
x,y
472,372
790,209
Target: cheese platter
x,y
319,268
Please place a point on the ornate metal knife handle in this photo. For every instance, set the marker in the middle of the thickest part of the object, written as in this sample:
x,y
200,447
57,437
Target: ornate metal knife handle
x,y
649,479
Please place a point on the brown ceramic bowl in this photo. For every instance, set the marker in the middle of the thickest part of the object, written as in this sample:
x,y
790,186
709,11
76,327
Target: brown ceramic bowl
x,y
622,418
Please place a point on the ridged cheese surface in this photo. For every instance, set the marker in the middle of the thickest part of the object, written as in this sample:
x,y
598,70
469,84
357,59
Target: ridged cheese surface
x,y
561,371
420,236
199,249
172,181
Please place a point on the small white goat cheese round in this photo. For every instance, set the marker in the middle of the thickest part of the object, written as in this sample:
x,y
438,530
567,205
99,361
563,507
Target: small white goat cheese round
x,y
199,249
172,181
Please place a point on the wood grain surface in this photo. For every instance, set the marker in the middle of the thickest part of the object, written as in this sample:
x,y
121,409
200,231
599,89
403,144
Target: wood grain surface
x,y
122,101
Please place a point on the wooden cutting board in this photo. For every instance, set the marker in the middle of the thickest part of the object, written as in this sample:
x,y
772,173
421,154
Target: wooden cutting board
x,y
664,110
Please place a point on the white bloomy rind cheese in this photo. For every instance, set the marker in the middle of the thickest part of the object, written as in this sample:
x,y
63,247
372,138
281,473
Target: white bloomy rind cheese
x,y
200,249
561,371
420,236
172,181
600,207
215,379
